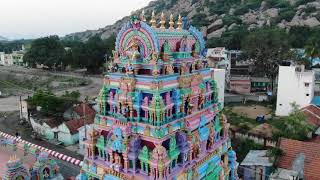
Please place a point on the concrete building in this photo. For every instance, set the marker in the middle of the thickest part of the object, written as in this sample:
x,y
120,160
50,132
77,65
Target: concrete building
x,y
256,165
84,132
219,58
14,58
295,85
219,76
2,58
240,84
46,127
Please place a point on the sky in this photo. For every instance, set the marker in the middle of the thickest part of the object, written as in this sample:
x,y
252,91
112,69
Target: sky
x,y
38,18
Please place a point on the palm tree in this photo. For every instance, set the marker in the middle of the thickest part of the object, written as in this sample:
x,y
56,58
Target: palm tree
x,y
313,48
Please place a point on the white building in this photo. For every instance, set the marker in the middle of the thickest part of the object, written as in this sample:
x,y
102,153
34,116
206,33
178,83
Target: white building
x,y
295,85
219,77
84,132
218,58
1,58
14,58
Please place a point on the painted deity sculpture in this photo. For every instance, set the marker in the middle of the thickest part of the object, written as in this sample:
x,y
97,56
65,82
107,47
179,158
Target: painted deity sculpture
x,y
159,115
44,168
16,170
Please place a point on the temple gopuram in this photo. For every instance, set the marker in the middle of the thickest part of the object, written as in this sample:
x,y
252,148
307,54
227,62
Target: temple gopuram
x,y
159,112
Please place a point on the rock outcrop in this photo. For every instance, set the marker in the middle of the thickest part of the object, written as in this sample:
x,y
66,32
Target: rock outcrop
x,y
265,15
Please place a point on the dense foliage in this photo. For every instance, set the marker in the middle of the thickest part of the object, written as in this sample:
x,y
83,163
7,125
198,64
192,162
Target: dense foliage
x,y
294,126
267,48
48,51
243,146
51,104
53,52
9,46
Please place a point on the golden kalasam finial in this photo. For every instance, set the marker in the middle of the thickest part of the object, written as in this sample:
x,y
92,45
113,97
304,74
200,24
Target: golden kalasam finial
x,y
153,20
142,17
162,21
179,23
171,23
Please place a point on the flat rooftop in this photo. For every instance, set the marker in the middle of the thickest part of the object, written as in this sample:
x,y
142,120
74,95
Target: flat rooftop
x,y
257,158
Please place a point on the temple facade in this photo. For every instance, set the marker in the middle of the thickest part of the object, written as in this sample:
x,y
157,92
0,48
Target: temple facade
x,y
44,168
159,112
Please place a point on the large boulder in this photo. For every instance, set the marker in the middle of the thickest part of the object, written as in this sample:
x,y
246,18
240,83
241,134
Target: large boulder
x,y
216,33
249,18
311,22
233,25
216,25
273,12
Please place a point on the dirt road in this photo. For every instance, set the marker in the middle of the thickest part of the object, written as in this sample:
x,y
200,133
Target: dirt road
x,y
12,103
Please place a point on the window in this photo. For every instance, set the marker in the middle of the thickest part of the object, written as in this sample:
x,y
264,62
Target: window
x,y
307,94
306,84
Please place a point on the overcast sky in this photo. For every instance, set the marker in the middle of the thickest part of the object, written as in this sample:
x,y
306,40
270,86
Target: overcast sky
x,y
36,18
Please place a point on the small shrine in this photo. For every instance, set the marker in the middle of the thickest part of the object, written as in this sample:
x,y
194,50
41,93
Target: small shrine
x,y
45,168
159,117
16,170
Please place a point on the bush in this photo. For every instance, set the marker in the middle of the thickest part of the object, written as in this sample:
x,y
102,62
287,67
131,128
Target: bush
x,y
254,4
241,10
310,9
251,4
302,2
297,36
228,20
222,6
318,16
278,3
200,20
286,14
243,146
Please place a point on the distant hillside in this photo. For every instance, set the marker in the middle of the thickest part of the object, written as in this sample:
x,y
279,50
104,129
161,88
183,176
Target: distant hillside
x,y
3,38
216,17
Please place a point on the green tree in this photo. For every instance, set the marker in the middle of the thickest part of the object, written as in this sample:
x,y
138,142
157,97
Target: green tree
x,y
48,51
267,49
297,36
313,47
51,104
243,146
294,126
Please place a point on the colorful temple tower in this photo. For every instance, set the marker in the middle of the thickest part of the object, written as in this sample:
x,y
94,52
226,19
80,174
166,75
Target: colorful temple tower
x,y
45,168
16,170
159,113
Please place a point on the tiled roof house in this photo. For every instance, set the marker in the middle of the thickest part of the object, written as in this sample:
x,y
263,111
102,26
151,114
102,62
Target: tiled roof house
x,y
293,148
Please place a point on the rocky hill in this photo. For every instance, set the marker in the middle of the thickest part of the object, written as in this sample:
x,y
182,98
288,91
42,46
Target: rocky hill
x,y
3,38
215,17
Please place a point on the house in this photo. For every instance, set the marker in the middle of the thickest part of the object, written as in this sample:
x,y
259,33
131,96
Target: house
x,y
47,127
256,165
312,114
219,58
240,84
78,111
301,157
295,85
13,58
68,131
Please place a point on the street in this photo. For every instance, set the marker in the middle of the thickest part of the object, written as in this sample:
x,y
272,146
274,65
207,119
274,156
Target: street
x,y
10,125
